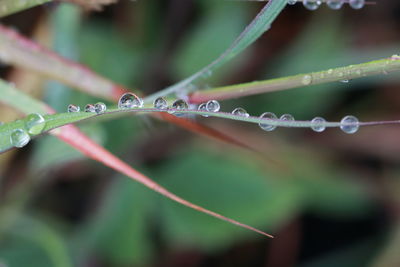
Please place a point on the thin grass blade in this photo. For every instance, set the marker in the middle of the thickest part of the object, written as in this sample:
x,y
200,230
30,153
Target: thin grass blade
x,y
261,23
74,137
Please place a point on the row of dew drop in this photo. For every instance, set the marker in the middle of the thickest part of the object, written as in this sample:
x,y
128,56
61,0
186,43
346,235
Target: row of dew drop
x,y
348,124
35,123
333,4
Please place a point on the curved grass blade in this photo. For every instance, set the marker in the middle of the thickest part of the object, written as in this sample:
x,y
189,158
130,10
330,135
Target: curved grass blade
x,y
54,121
74,137
88,147
382,66
255,29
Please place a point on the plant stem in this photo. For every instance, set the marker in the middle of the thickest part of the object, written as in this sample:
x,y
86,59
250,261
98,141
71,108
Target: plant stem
x,y
383,66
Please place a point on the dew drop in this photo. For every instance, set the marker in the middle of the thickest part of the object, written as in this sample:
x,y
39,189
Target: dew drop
x,y
306,80
335,4
179,104
395,57
349,124
317,124
35,123
100,107
311,4
240,112
73,108
357,4
160,103
213,106
19,138
292,2
265,126
287,117
90,108
202,107
130,100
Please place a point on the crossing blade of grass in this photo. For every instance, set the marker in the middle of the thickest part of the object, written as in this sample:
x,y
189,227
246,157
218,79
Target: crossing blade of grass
x,y
21,51
261,23
382,66
74,137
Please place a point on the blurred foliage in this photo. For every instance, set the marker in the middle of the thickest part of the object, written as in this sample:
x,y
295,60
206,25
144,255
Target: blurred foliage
x,y
117,222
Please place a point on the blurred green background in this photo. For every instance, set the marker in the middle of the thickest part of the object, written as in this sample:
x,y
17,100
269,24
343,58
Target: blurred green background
x,y
330,199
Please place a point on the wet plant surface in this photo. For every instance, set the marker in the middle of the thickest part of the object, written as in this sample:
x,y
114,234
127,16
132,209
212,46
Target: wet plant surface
x,y
279,117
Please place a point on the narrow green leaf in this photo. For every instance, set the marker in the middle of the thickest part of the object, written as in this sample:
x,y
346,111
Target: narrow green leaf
x,y
382,66
255,29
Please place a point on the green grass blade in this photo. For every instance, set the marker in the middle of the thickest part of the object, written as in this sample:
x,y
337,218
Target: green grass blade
x,y
88,147
382,66
53,121
255,29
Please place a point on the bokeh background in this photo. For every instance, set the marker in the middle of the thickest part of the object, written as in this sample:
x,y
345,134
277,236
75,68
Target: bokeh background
x,y
331,199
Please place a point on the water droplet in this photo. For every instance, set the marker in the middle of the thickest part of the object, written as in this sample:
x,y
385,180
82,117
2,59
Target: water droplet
x,y
100,107
90,108
160,103
213,106
19,138
179,104
291,2
344,81
349,124
240,112
73,108
130,100
287,117
395,57
306,80
318,124
311,4
335,4
265,126
35,123
357,4
202,107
